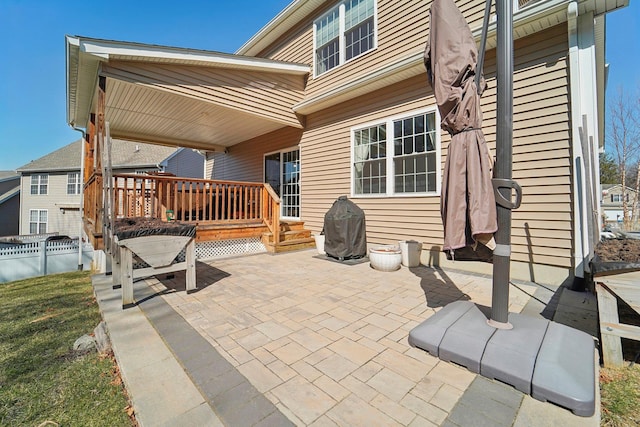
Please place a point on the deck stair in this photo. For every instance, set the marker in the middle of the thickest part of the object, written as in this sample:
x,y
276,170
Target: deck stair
x,y
293,236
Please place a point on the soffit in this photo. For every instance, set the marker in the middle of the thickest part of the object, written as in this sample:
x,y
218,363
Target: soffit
x,y
141,113
138,109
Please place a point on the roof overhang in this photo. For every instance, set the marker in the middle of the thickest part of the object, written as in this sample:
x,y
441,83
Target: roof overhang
x,y
194,112
530,19
9,194
280,24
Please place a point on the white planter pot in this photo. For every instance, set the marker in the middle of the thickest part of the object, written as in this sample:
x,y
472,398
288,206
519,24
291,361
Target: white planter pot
x,y
385,258
319,243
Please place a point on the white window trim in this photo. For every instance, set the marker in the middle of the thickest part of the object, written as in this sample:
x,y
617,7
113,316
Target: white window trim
x,y
389,159
341,40
77,186
38,221
39,184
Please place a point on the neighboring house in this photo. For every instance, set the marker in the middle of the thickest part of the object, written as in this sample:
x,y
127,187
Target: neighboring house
x,y
9,203
612,202
332,98
51,185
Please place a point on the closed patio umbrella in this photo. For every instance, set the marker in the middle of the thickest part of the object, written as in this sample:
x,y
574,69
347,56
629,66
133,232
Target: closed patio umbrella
x,y
467,203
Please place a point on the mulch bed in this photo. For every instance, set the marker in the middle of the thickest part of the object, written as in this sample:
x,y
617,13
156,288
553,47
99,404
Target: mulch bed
x,y
619,250
127,228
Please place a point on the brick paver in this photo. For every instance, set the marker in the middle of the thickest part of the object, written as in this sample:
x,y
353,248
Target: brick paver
x,y
326,343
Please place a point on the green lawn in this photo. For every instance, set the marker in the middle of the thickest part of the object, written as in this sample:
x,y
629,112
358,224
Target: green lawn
x,y
41,378
620,394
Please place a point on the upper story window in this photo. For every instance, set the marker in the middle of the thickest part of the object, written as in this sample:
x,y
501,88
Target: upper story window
x,y
399,156
343,33
39,184
617,198
73,183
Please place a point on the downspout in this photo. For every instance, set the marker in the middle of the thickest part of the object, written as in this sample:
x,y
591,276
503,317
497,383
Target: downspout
x,y
582,98
81,231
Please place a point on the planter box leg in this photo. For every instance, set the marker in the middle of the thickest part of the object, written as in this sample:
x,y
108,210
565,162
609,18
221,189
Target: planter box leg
x,y
126,269
608,313
116,265
190,273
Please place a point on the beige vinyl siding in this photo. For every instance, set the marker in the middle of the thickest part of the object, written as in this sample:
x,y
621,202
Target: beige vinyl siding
x,y
402,30
542,227
67,223
245,161
264,94
208,167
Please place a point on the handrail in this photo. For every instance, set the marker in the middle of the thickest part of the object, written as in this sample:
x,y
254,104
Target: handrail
x,y
92,202
190,200
271,211
272,192
196,200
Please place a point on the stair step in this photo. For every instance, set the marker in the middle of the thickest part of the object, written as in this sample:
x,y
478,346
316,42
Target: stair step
x,y
291,245
287,235
291,225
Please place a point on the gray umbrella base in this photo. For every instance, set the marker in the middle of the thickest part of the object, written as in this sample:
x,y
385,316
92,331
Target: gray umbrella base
x,y
547,360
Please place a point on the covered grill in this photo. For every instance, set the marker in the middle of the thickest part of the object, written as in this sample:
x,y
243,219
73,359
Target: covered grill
x,y
345,230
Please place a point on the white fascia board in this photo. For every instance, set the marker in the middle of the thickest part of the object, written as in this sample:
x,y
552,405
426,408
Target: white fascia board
x,y
348,90
9,194
105,50
290,16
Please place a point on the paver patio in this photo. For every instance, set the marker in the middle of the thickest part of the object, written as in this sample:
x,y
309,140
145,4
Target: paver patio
x,y
326,342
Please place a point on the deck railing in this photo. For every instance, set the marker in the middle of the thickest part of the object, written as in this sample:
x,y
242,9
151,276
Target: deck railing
x,y
187,200
93,203
184,199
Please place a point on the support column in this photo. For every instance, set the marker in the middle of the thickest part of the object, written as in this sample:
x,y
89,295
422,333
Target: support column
x,y
503,167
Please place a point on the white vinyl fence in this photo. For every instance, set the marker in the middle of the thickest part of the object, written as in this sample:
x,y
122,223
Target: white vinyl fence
x,y
38,258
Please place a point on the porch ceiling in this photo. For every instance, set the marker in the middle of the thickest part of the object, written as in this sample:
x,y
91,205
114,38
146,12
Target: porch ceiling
x,y
181,97
143,114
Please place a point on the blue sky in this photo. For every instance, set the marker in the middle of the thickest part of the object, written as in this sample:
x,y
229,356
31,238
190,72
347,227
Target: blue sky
x,y
32,56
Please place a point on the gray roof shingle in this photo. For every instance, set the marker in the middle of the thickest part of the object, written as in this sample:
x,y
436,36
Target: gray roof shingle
x,y
7,175
124,154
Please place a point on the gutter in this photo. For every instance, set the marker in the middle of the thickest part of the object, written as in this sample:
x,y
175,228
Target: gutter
x,y
81,209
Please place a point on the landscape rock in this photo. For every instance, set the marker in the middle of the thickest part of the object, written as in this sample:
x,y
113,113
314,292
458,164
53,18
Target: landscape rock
x,y
84,344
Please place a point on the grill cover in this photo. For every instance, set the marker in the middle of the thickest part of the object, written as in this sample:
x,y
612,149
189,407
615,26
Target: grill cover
x,y
345,235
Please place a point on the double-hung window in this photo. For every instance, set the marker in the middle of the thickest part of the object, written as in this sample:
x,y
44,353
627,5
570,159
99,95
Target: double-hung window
x,y
38,221
73,183
343,33
39,184
397,156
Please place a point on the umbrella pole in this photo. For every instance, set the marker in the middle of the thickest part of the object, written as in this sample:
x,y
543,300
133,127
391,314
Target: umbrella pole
x,y
503,167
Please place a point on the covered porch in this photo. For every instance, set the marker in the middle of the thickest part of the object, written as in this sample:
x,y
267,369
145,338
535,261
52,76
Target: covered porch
x,y
178,97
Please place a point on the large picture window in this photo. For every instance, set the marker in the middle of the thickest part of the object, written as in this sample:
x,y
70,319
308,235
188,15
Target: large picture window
x,y
39,184
38,221
343,33
404,161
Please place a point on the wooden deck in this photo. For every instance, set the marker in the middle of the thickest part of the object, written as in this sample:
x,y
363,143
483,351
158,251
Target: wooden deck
x,y
610,288
221,210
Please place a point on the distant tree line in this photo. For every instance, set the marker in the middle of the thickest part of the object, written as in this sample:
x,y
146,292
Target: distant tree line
x,y
620,163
